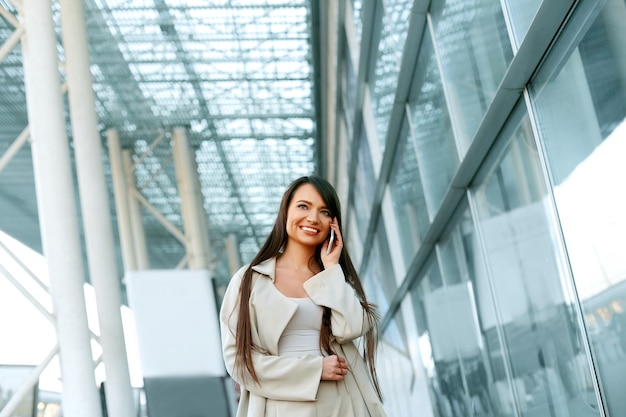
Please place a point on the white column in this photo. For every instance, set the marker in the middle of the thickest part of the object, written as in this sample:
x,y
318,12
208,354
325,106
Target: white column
x,y
191,201
95,205
57,211
121,200
134,208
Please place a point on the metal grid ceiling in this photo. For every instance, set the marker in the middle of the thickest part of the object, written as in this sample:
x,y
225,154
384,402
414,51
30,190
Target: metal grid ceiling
x,y
237,74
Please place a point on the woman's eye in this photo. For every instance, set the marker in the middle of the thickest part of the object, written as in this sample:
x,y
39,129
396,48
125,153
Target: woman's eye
x,y
302,206
326,213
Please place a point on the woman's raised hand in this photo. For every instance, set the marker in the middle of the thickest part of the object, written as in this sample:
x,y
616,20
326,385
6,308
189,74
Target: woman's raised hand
x,y
331,258
334,368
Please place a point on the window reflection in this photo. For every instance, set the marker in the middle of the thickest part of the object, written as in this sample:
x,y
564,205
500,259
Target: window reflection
x,y
586,152
441,393
470,302
402,374
544,359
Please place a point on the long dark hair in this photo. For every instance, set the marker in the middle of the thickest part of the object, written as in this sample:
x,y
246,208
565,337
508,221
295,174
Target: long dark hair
x,y
277,240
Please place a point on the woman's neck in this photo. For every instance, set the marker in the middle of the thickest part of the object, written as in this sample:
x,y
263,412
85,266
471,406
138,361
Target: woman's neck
x,y
298,258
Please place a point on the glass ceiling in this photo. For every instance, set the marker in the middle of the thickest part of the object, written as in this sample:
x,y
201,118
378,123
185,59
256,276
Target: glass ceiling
x,y
237,74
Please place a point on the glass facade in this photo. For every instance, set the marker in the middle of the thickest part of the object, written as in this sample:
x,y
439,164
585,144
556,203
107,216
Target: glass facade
x,y
488,216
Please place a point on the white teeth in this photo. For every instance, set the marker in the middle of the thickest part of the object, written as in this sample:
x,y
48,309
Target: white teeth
x,y
308,229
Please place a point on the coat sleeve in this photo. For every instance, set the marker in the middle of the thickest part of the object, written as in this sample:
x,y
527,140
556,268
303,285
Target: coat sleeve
x,y
330,289
280,377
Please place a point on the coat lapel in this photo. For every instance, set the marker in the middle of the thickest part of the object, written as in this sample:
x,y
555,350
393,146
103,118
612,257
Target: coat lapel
x,y
273,309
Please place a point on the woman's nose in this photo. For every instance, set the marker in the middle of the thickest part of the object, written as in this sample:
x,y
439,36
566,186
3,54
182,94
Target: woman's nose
x,y
312,217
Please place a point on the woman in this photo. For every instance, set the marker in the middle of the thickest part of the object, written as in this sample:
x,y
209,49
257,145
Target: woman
x,y
289,319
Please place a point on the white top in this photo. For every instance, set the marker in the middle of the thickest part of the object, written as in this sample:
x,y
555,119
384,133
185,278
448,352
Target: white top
x,y
302,334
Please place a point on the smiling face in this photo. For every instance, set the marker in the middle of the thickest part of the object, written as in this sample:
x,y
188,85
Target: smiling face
x,y
308,218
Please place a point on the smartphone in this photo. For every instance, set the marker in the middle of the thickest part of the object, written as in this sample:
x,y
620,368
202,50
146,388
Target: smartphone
x,y
331,241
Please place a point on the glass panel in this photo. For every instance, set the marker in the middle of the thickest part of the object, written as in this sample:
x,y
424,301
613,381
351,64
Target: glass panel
x,y
395,24
341,158
395,376
385,81
543,345
521,14
12,379
380,268
585,143
346,127
483,389
355,240
365,184
408,198
397,16
431,126
348,83
474,48
357,8
402,374
433,344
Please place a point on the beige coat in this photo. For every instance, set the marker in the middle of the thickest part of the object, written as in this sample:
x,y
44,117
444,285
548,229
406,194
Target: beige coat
x,y
289,378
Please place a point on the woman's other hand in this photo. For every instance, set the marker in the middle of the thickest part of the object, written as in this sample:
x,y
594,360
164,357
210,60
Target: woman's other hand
x,y
334,368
